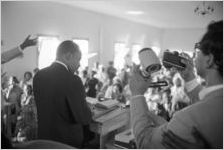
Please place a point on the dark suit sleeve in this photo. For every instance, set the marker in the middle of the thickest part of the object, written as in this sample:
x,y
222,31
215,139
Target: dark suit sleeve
x,y
77,103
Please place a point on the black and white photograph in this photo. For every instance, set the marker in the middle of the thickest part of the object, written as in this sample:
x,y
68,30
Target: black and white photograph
x,y
111,74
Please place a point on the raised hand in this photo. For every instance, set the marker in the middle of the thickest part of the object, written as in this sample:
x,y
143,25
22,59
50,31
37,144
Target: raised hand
x,y
28,42
188,73
138,84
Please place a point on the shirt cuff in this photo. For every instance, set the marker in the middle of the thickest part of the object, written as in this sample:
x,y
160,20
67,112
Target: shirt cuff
x,y
191,85
20,49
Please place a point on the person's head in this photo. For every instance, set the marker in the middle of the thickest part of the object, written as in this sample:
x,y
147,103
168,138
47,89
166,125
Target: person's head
x,y
93,73
84,73
28,89
27,76
69,53
111,63
209,54
13,80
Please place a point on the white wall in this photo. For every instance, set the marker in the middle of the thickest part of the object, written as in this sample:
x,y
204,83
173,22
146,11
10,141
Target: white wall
x,y
22,18
181,39
18,19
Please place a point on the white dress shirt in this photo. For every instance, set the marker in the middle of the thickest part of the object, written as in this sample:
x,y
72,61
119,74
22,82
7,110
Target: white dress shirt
x,y
63,64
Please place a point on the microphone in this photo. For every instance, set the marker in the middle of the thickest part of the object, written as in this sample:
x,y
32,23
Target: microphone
x,y
158,84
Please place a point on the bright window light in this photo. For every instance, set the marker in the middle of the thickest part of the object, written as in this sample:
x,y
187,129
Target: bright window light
x,y
120,53
84,47
135,49
47,47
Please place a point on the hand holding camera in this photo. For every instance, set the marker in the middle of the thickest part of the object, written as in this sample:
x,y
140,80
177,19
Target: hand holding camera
x,y
182,62
188,73
138,84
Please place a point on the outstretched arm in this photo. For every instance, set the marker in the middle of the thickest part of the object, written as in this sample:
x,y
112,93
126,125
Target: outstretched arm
x,y
15,52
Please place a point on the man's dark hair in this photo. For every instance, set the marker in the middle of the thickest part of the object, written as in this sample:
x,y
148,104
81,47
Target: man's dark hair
x,y
14,79
29,73
67,47
212,43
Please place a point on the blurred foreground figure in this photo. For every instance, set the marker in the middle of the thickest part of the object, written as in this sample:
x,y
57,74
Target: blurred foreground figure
x,y
199,125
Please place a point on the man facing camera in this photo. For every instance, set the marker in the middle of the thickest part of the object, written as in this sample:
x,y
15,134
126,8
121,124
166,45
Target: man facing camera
x,y
60,98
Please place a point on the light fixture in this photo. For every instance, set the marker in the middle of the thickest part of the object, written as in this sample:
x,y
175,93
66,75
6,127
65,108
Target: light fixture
x,y
135,12
204,9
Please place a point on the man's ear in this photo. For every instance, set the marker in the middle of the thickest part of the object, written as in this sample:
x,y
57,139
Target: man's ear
x,y
210,61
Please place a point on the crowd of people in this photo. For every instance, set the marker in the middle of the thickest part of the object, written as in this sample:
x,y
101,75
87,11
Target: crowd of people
x,y
101,82
50,103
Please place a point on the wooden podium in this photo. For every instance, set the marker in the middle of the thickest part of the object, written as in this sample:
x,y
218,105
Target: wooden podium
x,y
109,123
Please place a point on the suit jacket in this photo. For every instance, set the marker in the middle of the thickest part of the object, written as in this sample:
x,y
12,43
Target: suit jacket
x,y
62,110
206,116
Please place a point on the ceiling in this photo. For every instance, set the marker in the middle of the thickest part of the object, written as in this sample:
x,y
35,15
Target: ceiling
x,y
162,14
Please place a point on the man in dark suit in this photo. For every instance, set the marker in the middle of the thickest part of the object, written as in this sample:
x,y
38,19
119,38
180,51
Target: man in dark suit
x,y
60,98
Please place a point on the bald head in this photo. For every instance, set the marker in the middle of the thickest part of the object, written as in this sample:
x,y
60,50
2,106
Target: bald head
x,y
67,47
68,52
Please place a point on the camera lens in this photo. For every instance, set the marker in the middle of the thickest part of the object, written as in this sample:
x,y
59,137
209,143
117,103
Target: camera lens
x,y
153,68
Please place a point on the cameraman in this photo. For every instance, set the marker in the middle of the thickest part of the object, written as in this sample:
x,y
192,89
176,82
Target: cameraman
x,y
197,126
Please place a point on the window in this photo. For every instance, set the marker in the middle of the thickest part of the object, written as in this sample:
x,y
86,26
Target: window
x,y
135,49
84,48
47,47
120,53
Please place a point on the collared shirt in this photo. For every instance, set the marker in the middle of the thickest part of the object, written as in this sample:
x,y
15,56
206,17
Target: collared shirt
x,y
59,62
208,90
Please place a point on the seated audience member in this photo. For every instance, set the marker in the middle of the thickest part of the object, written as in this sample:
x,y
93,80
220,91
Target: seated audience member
x,y
27,125
14,92
62,110
204,118
27,80
13,96
179,97
85,78
92,85
109,89
117,93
